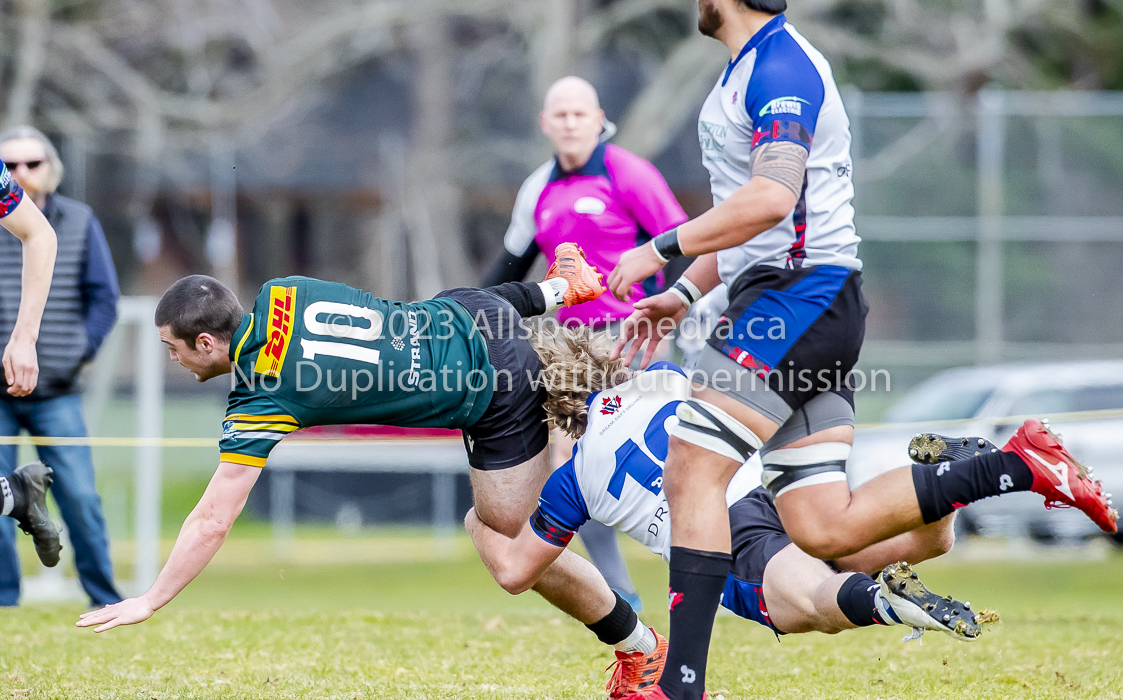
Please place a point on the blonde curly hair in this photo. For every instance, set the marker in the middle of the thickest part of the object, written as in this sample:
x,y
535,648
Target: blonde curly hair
x,y
575,364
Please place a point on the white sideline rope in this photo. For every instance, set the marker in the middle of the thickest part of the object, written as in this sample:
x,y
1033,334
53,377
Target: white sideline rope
x,y
926,426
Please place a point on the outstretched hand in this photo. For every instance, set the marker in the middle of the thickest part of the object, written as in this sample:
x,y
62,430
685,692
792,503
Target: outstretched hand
x,y
635,265
651,320
127,612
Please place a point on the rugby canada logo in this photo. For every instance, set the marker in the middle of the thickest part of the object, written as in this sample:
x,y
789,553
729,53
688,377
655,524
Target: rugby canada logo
x,y
610,405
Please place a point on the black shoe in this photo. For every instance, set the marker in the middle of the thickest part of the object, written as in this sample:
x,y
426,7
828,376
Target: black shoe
x,y
930,448
922,609
33,479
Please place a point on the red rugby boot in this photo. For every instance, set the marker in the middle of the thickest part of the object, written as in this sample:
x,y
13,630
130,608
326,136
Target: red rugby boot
x,y
585,283
637,671
654,693
1064,482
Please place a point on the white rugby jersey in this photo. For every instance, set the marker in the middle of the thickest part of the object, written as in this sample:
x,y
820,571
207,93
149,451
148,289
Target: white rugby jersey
x,y
780,88
616,474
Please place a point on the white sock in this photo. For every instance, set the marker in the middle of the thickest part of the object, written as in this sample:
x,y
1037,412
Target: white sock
x,y
554,290
884,610
641,639
7,499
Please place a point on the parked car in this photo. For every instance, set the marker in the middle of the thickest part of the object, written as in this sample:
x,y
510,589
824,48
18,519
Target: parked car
x,y
1082,400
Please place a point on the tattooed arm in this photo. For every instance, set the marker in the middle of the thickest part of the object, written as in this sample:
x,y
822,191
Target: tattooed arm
x,y
780,161
771,194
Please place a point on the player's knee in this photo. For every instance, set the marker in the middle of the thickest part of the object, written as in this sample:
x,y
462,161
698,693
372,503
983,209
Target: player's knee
x,y
943,543
941,539
514,580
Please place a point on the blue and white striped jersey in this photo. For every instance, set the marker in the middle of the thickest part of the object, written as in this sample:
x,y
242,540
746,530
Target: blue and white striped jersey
x,y
616,474
780,88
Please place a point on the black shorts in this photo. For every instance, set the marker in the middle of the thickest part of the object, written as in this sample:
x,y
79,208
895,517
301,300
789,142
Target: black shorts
x,y
787,337
513,428
757,536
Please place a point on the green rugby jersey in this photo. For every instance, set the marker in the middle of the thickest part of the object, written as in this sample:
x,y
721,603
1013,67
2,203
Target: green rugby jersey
x,y
322,353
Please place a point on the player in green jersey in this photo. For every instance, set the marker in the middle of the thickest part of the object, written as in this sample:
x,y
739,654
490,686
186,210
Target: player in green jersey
x,y
321,353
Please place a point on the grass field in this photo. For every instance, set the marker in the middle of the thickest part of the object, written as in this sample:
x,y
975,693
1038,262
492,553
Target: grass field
x,y
396,621
392,614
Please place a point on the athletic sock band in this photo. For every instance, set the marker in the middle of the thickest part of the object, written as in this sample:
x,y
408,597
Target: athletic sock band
x,y
616,626
641,640
554,292
797,467
857,599
709,427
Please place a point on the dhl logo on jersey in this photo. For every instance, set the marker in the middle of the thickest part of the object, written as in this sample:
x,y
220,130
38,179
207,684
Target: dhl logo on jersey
x,y
282,301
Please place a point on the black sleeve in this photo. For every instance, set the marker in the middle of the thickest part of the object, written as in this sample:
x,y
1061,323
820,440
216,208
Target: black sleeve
x,y
510,267
526,297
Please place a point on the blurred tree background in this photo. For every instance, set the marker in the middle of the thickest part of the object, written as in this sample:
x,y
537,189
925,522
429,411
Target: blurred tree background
x,y
381,142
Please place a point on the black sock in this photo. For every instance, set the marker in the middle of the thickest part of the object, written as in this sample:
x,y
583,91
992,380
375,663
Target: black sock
x,y
697,580
526,297
857,599
615,627
941,488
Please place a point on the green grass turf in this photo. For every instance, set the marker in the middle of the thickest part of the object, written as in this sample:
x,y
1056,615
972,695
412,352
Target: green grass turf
x,y
383,616
401,623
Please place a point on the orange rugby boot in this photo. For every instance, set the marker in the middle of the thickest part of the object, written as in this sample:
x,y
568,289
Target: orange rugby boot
x,y
637,671
585,283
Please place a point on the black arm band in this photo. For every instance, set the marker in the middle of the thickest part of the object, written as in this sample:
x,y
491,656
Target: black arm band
x,y
666,245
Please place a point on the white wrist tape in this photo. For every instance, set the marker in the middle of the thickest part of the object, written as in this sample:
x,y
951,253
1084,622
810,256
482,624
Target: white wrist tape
x,y
691,288
679,293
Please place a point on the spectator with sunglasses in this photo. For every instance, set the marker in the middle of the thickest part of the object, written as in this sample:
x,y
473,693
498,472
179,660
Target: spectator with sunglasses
x,y
81,309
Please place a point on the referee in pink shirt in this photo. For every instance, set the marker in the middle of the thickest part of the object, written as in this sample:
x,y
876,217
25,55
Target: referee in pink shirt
x,y
607,201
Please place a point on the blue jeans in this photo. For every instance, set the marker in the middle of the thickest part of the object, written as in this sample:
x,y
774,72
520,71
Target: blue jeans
x,y
73,490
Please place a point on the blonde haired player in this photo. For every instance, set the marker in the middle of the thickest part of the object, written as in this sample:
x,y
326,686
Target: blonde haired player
x,y
616,477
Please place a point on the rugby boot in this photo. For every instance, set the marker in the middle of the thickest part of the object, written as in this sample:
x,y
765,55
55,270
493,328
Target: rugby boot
x,y
637,671
32,481
1064,482
930,448
653,693
585,283
922,609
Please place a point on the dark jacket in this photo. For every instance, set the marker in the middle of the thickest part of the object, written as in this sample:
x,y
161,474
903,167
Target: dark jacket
x,y
82,305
